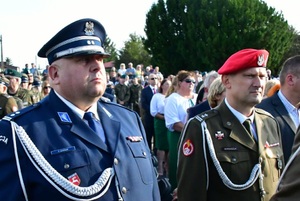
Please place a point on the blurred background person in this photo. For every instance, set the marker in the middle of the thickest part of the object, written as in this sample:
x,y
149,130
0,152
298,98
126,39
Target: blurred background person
x,y
7,103
216,94
284,105
176,107
146,96
157,106
45,88
135,95
209,78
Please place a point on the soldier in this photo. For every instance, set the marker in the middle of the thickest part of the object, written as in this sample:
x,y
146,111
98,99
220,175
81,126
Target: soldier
x,y
21,95
7,102
122,92
75,144
135,95
35,92
220,156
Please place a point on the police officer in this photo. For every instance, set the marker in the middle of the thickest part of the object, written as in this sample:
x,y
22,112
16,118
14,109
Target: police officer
x,y
220,156
7,102
74,144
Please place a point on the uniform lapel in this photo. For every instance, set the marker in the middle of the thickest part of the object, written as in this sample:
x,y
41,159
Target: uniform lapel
x,y
67,118
282,112
262,134
111,127
237,130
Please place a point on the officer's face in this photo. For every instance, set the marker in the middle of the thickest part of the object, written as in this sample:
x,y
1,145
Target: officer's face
x,y
79,79
245,88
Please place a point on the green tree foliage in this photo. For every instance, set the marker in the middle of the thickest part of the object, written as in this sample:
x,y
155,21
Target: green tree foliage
x,y
110,48
202,34
133,51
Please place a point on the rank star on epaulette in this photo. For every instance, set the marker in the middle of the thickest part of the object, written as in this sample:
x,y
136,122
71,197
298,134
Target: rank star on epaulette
x,y
219,135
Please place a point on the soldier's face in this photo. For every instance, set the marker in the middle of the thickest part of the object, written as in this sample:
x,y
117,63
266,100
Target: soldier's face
x,y
246,87
80,78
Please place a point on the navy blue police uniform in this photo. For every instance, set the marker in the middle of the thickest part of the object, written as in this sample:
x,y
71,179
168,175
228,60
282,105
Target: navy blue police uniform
x,y
48,152
67,144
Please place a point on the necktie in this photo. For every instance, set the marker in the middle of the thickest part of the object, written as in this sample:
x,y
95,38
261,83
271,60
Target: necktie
x,y
247,125
154,91
95,125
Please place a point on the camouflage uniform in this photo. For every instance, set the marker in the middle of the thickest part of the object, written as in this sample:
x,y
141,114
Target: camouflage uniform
x,y
7,105
122,93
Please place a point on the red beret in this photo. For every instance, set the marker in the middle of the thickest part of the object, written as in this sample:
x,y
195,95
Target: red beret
x,y
243,59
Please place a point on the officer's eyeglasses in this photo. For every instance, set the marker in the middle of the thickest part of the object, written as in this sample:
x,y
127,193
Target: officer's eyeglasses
x,y
190,81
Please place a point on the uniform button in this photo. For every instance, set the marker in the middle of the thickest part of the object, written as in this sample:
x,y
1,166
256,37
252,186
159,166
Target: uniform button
x,y
233,159
66,166
228,123
116,161
144,153
124,190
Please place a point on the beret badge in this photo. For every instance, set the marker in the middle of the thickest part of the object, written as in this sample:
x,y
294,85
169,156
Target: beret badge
x,y
261,60
89,28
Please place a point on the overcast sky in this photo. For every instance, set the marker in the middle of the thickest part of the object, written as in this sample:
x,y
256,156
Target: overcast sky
x,y
27,25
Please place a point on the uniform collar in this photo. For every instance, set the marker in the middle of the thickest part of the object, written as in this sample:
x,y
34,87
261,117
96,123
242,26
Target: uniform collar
x,y
76,110
239,115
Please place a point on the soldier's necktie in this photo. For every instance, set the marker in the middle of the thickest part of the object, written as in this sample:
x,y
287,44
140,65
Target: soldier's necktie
x,y
95,125
247,125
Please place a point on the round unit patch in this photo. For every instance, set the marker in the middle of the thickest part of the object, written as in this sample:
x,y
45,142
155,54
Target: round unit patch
x,y
188,148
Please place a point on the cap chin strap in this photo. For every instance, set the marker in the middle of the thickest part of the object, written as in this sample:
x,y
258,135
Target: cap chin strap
x,y
64,186
255,173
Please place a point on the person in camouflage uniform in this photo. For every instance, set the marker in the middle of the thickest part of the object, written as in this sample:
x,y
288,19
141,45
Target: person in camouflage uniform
x,y
7,103
122,92
135,95
15,90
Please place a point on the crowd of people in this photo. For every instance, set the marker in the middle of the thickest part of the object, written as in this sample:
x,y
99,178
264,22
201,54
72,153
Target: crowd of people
x,y
93,133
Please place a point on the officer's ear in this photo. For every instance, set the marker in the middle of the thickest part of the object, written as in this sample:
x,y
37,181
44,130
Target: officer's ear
x,y
53,73
226,81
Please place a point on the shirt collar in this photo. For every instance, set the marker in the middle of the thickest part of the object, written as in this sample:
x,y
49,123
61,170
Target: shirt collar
x,y
239,115
78,111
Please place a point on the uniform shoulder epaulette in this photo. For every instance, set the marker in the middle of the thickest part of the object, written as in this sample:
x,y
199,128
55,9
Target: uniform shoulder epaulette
x,y
21,112
104,99
206,115
264,112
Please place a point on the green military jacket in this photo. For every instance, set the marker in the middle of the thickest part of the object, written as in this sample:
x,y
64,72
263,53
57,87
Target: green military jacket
x,y
135,93
237,153
23,95
122,93
7,105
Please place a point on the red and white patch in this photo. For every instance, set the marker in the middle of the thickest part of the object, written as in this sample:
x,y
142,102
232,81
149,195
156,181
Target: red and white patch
x,y
188,148
74,178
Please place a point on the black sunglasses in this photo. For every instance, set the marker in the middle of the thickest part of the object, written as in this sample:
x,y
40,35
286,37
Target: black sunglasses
x,y
153,78
47,87
190,81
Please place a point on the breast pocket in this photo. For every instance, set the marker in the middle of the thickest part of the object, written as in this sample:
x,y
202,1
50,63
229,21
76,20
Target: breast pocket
x,y
142,159
274,157
236,165
69,162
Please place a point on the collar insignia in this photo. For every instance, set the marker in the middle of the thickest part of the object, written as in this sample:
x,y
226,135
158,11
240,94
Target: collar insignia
x,y
64,117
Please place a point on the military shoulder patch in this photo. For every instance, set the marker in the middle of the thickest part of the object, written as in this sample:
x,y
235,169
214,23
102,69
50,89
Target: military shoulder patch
x,y
187,148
